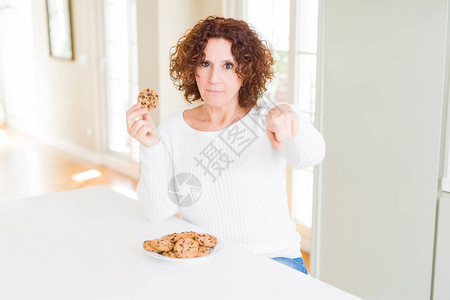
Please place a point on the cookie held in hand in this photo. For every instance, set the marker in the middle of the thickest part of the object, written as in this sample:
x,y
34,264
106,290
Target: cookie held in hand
x,y
148,99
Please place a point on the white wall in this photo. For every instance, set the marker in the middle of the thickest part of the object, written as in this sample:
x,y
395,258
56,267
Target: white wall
x,y
66,90
186,16
382,97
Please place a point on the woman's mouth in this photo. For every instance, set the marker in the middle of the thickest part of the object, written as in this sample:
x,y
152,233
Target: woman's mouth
x,y
214,91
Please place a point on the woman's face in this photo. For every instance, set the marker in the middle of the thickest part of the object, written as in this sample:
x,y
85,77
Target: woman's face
x,y
216,76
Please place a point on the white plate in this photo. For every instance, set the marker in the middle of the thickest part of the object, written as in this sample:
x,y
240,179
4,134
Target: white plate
x,y
214,251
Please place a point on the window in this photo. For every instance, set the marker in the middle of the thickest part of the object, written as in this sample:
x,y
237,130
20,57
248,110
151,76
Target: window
x,y
296,56
17,63
121,74
305,98
270,19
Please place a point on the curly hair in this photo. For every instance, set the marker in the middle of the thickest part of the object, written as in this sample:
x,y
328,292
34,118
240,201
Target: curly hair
x,y
254,59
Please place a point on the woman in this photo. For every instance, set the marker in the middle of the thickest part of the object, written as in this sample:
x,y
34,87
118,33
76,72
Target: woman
x,y
226,158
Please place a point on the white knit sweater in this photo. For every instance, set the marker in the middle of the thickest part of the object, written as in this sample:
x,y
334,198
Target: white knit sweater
x,y
243,196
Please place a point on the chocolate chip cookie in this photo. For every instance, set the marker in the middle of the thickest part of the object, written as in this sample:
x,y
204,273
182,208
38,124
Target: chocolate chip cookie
x,y
173,237
169,254
202,251
186,248
148,247
205,239
188,234
148,99
161,245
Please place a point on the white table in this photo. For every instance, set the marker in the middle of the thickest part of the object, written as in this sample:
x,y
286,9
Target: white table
x,y
87,244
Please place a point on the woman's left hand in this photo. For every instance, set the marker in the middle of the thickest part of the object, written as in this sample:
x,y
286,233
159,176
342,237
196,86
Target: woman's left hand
x,y
281,124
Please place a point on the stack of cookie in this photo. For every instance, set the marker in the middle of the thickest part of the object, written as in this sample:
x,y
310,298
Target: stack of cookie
x,y
186,244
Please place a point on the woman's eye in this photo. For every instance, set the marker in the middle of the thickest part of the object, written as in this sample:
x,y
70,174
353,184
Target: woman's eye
x,y
205,64
228,66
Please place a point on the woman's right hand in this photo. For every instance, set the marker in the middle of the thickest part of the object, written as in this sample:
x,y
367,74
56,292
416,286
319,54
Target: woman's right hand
x,y
142,129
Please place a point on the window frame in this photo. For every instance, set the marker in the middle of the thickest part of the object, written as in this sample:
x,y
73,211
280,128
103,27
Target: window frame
x,y
121,162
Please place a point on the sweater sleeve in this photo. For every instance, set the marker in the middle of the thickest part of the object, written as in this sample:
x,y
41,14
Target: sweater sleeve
x,y
152,189
307,147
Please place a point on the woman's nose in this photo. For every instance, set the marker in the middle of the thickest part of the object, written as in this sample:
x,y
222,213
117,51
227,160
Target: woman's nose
x,y
214,75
